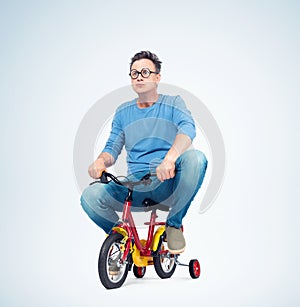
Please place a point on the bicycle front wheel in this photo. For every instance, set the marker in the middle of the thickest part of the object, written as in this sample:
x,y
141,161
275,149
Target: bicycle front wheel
x,y
164,263
112,271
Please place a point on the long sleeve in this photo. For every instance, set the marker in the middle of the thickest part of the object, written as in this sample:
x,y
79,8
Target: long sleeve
x,y
183,119
116,138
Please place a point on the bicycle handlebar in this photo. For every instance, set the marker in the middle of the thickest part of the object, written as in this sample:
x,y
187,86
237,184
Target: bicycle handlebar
x,y
129,184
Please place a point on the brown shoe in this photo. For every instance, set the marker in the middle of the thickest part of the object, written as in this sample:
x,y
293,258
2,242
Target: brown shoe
x,y
114,265
114,269
175,239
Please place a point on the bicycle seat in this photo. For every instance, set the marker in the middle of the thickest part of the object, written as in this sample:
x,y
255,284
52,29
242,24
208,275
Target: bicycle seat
x,y
150,204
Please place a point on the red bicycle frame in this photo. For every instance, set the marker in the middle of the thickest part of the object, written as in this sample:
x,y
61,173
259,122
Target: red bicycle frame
x,y
128,224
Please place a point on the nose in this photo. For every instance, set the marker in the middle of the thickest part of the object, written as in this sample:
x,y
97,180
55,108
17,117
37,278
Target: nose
x,y
140,77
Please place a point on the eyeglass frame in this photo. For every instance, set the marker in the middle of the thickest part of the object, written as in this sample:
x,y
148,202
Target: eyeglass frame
x,y
140,73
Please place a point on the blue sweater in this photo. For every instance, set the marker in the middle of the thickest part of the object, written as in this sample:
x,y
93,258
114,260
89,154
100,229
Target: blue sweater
x,y
148,133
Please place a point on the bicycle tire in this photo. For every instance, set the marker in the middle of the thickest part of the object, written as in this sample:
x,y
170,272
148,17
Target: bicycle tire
x,y
139,272
110,253
164,264
194,268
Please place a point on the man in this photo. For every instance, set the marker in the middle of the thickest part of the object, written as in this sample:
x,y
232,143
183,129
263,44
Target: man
x,y
157,132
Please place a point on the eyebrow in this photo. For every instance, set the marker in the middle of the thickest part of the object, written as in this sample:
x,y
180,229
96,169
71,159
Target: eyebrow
x,y
141,68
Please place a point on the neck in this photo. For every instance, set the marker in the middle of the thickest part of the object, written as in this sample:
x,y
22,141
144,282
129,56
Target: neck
x,y
146,100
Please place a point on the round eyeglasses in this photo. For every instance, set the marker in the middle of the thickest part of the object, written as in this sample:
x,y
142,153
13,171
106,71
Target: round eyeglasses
x,y
145,73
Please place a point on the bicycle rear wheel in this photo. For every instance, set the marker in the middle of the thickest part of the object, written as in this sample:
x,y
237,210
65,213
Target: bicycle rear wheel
x,y
112,271
139,272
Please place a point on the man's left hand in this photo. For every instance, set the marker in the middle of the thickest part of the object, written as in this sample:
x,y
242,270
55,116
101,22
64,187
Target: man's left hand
x,y
166,170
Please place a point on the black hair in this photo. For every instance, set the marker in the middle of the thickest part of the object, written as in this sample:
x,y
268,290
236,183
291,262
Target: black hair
x,y
147,55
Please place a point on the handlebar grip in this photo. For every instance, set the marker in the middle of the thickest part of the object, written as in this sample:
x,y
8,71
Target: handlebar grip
x,y
103,177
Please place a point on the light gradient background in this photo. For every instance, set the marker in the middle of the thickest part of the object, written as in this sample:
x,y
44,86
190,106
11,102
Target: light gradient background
x,y
241,58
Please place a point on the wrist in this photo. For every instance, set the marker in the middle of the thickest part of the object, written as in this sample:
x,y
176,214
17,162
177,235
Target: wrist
x,y
169,159
106,159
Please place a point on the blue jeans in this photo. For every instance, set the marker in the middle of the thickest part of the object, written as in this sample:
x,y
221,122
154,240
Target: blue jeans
x,y
102,201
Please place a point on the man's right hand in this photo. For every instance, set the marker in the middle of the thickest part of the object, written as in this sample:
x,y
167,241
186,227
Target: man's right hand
x,y
95,169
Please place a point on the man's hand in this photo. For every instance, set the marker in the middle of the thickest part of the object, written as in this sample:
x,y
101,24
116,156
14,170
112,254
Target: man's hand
x,y
103,161
166,170
96,168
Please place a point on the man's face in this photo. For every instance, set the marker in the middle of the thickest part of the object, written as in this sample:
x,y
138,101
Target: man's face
x,y
143,85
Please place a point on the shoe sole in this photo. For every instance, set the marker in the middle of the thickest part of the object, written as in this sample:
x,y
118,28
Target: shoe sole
x,y
176,251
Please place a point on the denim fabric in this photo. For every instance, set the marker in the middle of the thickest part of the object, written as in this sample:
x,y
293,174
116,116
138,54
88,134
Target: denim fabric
x,y
102,201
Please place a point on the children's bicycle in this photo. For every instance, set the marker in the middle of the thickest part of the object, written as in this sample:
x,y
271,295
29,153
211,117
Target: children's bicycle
x,y
123,250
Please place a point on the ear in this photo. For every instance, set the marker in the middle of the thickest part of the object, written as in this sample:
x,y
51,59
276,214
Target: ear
x,y
158,77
